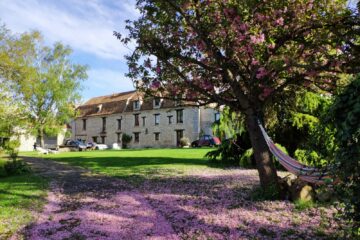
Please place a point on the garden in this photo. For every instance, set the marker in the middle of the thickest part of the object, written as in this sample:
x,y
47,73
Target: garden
x,y
154,194
285,76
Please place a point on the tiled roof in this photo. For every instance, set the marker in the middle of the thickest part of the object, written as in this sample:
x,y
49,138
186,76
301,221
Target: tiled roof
x,y
117,103
110,98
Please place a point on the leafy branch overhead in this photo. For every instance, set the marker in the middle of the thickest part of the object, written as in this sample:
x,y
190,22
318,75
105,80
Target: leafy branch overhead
x,y
241,52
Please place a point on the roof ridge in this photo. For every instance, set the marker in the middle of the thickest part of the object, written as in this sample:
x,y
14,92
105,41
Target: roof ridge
x,y
89,102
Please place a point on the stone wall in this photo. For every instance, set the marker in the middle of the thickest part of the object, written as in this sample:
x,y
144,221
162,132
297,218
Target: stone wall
x,y
194,119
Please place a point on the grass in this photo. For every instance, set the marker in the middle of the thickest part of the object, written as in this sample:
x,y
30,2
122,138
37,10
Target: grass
x,y
136,162
302,205
20,196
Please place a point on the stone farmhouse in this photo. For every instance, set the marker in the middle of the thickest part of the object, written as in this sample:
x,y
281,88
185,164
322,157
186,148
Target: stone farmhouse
x,y
152,122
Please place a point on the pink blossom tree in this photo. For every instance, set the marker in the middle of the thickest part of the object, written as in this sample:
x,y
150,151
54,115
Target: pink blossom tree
x,y
241,53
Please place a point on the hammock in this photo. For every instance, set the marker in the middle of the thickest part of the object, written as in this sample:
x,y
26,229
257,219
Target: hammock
x,y
306,173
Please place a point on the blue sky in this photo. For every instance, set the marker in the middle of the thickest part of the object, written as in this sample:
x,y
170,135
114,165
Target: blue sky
x,y
87,27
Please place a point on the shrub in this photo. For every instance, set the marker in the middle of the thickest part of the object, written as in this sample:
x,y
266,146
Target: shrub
x,y
11,147
125,139
230,151
345,115
310,158
227,152
16,167
247,159
184,141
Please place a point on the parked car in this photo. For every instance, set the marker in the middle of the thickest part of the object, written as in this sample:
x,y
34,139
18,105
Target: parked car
x,y
91,145
101,146
75,144
206,140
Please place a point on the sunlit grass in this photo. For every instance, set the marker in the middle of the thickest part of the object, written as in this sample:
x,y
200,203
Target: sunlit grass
x,y
135,162
20,196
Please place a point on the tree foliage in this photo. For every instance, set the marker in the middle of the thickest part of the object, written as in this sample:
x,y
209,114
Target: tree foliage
x,y
229,124
345,115
42,81
244,54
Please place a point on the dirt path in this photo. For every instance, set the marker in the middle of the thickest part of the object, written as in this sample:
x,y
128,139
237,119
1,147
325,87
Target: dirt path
x,y
84,205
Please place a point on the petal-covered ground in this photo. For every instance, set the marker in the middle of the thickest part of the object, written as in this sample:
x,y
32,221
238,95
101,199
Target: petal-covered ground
x,y
198,205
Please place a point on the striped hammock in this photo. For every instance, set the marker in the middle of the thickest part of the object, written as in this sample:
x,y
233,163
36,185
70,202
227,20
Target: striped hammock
x,y
306,173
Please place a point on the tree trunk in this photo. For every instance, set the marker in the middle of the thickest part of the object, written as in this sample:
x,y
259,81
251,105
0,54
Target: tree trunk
x,y
41,137
264,163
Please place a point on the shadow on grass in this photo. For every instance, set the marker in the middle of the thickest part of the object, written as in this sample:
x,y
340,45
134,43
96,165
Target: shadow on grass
x,y
21,190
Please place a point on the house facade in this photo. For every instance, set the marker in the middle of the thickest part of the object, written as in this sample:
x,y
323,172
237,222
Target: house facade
x,y
152,122
27,140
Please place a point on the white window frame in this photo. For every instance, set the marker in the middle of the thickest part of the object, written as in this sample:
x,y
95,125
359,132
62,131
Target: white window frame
x,y
136,104
159,101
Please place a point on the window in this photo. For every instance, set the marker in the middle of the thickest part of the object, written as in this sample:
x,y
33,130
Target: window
x,y
94,139
157,136
170,119
157,119
118,137
136,137
157,102
104,124
179,116
143,121
217,117
119,124
84,124
136,105
103,139
136,116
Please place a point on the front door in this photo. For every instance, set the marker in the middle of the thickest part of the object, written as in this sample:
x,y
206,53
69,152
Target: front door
x,y
179,136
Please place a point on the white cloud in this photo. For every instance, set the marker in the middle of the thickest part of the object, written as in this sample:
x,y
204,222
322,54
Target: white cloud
x,y
84,25
105,82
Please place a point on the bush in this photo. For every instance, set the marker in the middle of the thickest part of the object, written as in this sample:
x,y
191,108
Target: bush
x,y
247,159
310,158
16,168
11,147
230,151
184,141
125,139
345,115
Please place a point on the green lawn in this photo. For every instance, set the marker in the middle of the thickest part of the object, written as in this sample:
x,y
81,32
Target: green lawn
x,y
19,197
125,163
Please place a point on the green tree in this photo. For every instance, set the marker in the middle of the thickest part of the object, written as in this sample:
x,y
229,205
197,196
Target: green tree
x,y
228,125
345,115
42,81
13,68
245,54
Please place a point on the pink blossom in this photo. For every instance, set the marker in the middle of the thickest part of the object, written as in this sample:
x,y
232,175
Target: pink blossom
x,y
258,39
279,21
158,69
249,50
271,46
261,73
254,62
267,91
260,17
155,85
243,27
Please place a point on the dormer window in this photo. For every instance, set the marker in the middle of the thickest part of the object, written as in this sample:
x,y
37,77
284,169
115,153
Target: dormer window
x,y
178,100
137,105
157,102
99,108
